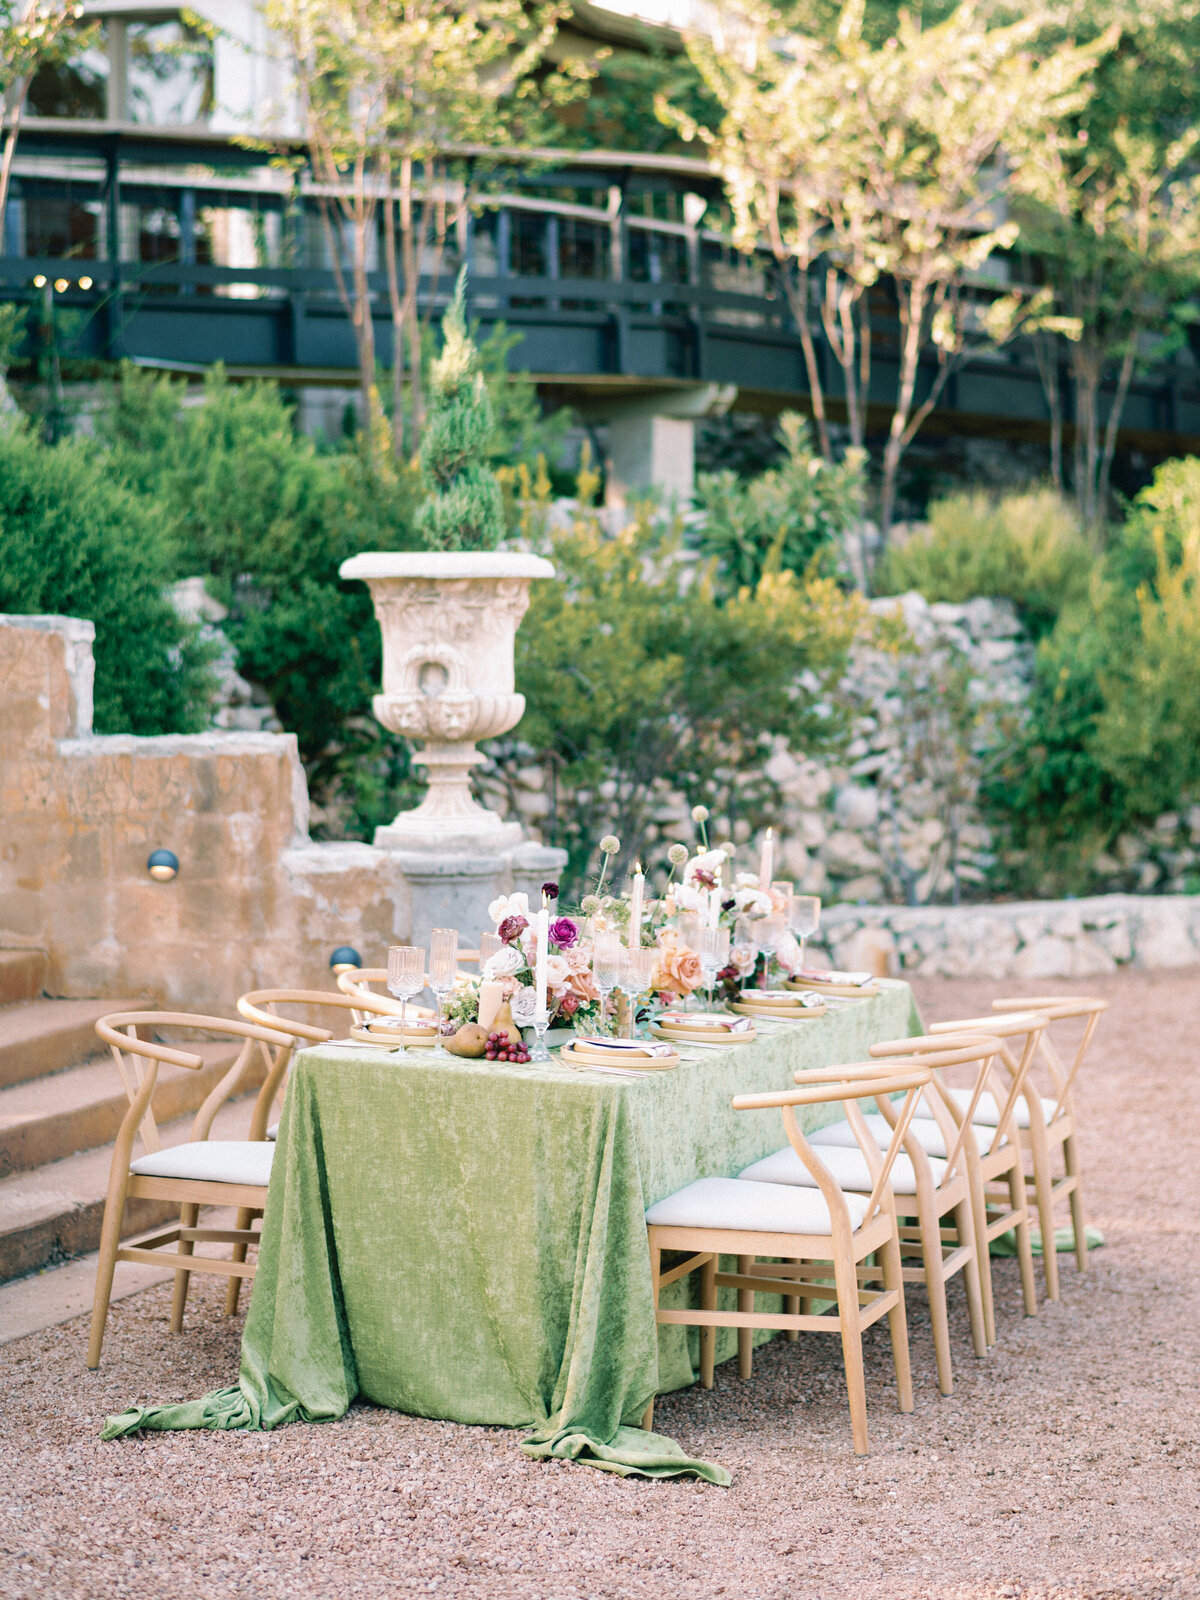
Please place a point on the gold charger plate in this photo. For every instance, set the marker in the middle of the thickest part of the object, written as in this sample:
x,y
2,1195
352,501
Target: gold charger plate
x,y
788,1013
635,1061
417,1037
861,993
719,1036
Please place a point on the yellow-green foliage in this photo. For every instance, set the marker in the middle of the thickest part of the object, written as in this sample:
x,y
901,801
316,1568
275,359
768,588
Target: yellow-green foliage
x,y
1028,548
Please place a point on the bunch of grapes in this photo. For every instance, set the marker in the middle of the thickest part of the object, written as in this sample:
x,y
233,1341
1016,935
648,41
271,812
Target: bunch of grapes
x,y
501,1048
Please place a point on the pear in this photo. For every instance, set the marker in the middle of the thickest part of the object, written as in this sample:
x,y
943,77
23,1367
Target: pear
x,y
470,1040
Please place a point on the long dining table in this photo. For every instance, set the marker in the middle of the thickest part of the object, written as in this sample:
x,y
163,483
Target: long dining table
x,y
465,1239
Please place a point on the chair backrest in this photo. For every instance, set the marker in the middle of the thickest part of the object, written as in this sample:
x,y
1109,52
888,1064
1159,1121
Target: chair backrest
x,y
847,1085
1060,1008
955,1119
990,1048
138,1060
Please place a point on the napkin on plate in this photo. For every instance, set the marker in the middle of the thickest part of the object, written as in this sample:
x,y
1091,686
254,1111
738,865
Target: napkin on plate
x,y
704,1019
847,980
637,1047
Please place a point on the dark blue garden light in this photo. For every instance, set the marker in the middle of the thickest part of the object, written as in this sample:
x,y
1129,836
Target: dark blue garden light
x,y
345,957
162,865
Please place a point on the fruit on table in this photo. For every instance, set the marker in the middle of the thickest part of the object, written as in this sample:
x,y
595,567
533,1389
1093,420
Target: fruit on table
x,y
503,1022
501,1048
469,1040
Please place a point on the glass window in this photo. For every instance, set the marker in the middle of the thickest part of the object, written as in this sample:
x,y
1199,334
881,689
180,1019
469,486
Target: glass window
x,y
582,249
56,225
170,74
78,88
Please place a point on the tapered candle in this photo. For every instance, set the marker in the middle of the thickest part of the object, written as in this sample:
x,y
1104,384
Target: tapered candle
x,y
543,951
635,909
767,864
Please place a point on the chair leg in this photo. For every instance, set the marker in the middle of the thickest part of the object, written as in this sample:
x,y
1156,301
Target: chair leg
x,y
708,1336
983,1254
1044,1191
1016,1189
188,1215
971,1276
244,1219
791,1306
935,1289
1071,1166
745,1335
856,1389
110,1240
893,1278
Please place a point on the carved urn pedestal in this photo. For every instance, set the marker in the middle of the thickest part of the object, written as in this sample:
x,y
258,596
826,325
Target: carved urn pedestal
x,y
448,621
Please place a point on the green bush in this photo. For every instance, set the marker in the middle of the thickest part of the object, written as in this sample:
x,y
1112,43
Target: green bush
x,y
1028,548
76,541
634,677
785,517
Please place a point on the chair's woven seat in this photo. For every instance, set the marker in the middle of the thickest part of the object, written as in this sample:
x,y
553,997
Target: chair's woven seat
x,y
210,1161
848,1167
738,1205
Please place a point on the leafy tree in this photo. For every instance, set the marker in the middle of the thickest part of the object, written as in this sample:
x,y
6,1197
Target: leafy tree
x,y
637,683
33,34
785,517
78,542
859,164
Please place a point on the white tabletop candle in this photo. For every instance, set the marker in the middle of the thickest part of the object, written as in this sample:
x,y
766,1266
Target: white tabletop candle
x,y
635,909
766,865
543,951
491,998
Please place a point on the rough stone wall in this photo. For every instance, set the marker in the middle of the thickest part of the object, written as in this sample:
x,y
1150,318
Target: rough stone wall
x,y
255,903
1032,939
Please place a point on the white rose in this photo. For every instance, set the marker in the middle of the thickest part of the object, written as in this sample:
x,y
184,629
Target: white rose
x,y
710,861
747,880
788,953
509,905
504,963
524,1006
752,902
688,898
557,971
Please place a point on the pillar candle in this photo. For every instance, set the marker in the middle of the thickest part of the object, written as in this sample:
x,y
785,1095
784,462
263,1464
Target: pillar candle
x,y
491,995
767,864
543,951
635,909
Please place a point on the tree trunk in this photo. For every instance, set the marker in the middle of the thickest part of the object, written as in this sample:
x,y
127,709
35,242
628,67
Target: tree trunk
x,y
11,109
1045,349
797,298
1088,368
410,255
1113,426
912,318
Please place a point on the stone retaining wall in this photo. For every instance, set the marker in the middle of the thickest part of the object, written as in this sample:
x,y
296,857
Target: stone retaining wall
x,y
1025,939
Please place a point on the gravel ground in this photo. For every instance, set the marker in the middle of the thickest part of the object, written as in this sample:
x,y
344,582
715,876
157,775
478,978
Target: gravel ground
x,y
1064,1467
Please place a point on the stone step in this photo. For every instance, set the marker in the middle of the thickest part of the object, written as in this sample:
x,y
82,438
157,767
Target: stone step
x,y
42,1036
22,975
50,1118
54,1213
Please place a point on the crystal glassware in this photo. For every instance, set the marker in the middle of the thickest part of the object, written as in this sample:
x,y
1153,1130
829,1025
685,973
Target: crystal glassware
x,y
406,978
607,953
805,918
636,969
689,926
489,943
714,957
769,933
443,968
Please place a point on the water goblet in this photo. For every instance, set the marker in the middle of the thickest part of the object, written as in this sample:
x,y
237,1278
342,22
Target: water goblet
x,y
689,927
714,957
636,970
769,933
805,918
744,948
443,968
607,954
405,978
489,943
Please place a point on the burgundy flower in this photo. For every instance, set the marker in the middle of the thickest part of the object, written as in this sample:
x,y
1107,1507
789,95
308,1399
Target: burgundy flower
x,y
550,890
704,878
568,1005
512,928
564,933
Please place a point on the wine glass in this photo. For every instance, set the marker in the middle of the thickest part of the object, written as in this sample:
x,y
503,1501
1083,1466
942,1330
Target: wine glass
x,y
443,967
805,919
489,943
745,944
769,932
607,953
689,926
406,978
714,956
636,968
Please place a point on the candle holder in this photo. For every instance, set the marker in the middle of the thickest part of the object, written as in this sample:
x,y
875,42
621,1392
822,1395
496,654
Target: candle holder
x,y
541,1023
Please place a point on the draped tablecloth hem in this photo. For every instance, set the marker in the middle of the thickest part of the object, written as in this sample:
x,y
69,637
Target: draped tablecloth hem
x,y
631,1453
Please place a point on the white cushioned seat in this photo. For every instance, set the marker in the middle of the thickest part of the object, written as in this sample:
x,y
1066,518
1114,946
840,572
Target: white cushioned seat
x,y
210,1161
987,1112
750,1207
924,1129
848,1167
273,1131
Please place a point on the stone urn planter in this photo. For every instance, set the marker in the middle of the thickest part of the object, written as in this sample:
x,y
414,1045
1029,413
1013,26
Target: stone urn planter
x,y
448,620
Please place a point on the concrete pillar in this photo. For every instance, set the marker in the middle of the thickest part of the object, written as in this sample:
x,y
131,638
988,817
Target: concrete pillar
x,y
651,453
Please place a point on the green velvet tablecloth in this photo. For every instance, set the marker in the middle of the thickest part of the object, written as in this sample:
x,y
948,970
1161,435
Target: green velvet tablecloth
x,y
466,1240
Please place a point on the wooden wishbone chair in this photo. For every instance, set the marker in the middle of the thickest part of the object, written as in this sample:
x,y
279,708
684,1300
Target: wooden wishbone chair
x,y
1056,1126
934,1191
361,982
994,1154
203,1171
819,1233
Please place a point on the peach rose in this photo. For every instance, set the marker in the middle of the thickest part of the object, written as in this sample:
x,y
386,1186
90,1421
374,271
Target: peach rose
x,y
676,969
